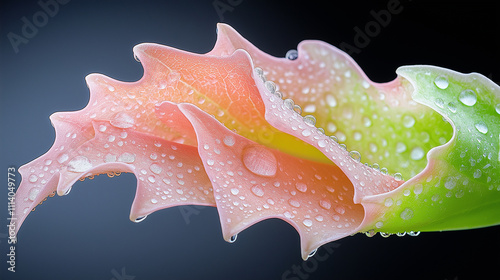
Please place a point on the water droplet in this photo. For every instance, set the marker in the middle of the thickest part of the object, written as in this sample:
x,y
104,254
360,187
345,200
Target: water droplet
x,y
306,132
79,164
312,253
307,222
370,233
452,107
210,162
478,173
270,86
33,194
355,155
294,203
63,158
292,54
406,214
154,201
122,120
288,103
413,233
310,120
233,238
235,191
258,191
33,178
441,82
301,187
379,224
439,102
297,109
417,153
367,122
497,108
229,140
408,121
331,101
389,202
127,158
325,204
398,176
260,160
340,209
140,219
481,127
400,147
468,97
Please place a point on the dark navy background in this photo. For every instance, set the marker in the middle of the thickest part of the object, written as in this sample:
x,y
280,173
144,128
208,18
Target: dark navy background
x,y
87,234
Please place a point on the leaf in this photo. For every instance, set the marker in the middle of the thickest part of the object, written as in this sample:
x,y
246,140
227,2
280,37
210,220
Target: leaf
x,y
214,130
460,188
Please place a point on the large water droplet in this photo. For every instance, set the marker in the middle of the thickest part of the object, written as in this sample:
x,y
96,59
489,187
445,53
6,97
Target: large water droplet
x,y
122,120
260,160
441,82
468,97
481,127
79,164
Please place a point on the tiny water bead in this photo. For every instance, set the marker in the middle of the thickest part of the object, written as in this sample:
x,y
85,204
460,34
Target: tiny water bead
x,y
441,82
468,97
310,120
270,86
312,253
233,238
355,155
140,219
292,54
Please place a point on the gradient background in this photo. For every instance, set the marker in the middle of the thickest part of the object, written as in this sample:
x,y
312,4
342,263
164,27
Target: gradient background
x,y
87,235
